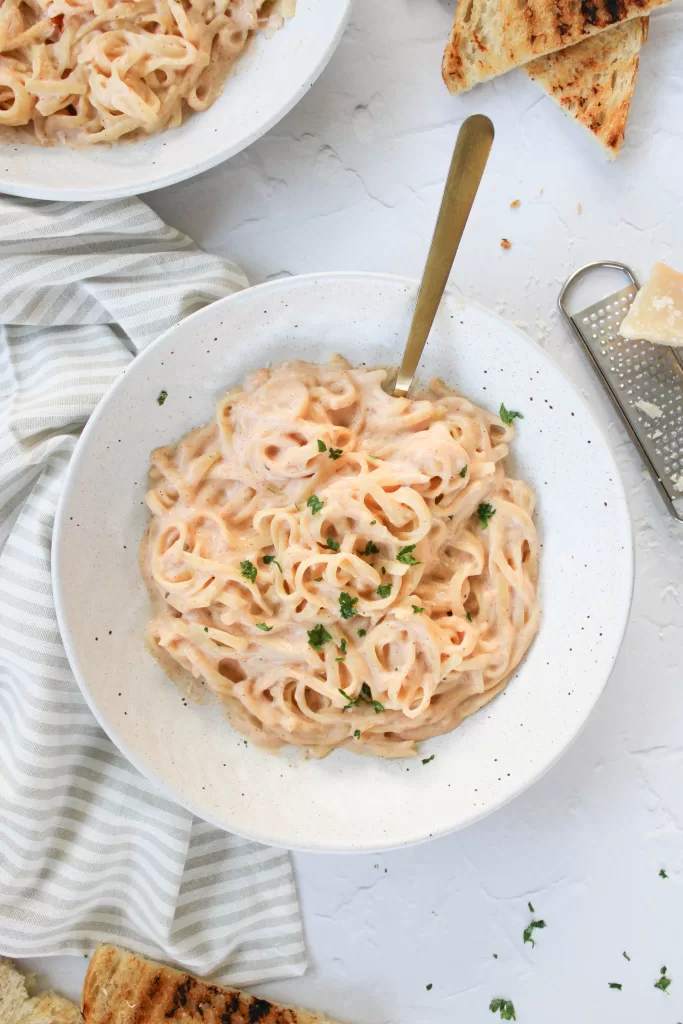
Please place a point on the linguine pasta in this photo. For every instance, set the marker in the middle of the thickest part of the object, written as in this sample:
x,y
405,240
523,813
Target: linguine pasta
x,y
340,567
80,72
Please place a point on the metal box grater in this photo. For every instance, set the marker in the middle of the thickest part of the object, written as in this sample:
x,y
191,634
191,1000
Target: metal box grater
x,y
644,381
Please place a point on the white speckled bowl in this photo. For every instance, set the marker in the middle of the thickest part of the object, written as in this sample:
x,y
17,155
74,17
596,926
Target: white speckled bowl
x,y
268,80
344,802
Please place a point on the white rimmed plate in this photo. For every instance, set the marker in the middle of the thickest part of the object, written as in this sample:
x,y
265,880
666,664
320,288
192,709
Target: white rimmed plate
x,y
344,802
267,81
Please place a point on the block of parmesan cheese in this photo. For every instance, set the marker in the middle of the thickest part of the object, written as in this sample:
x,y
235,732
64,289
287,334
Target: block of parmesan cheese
x,y
657,311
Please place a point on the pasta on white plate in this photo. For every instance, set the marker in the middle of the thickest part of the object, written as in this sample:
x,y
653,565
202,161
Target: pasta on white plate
x,y
340,567
81,72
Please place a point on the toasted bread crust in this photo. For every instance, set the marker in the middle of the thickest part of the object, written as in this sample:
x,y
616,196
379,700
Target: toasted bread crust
x,y
17,1007
121,988
593,81
49,1008
490,37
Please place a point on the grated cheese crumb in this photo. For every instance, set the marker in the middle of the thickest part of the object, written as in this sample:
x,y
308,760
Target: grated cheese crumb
x,y
651,410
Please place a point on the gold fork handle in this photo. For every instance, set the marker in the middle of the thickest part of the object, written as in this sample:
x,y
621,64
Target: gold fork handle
x,y
472,148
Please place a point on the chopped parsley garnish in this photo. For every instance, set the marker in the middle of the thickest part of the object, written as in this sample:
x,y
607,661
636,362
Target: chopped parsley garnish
x,y
506,1008
614,984
508,415
372,522
370,549
484,513
468,616
426,760
248,570
463,474
333,544
318,636
429,987
384,589
662,873
663,982
353,702
161,397
531,909
366,694
357,734
362,632
417,610
528,937
405,555
318,579
206,629
269,559
322,447
342,648
626,956
315,504
262,625
336,453
346,605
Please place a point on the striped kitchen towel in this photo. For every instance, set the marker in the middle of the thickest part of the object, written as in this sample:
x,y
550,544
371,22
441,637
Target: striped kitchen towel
x,y
89,850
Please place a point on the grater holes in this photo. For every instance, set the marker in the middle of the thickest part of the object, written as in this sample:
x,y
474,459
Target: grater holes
x,y
638,371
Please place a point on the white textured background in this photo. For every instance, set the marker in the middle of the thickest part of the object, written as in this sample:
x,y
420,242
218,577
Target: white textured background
x,y
352,180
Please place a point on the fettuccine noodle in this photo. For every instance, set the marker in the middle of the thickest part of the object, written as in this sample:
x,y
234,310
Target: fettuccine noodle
x,y
342,568
80,72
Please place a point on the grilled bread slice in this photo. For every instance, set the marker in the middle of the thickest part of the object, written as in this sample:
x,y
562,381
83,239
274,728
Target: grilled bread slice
x,y
17,1007
13,992
490,37
49,1008
593,81
121,988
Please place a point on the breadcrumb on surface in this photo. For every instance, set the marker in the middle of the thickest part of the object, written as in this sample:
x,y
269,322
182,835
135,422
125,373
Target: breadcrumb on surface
x,y
505,243
515,204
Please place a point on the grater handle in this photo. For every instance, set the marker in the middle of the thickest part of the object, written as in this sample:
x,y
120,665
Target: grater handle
x,y
582,271
604,265
630,428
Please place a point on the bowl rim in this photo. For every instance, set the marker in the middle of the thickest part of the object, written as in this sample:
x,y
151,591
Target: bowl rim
x,y
79,195
168,789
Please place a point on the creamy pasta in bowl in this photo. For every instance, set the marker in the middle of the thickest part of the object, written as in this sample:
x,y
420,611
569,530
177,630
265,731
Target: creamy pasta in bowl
x,y
462,656
83,72
341,567
105,98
